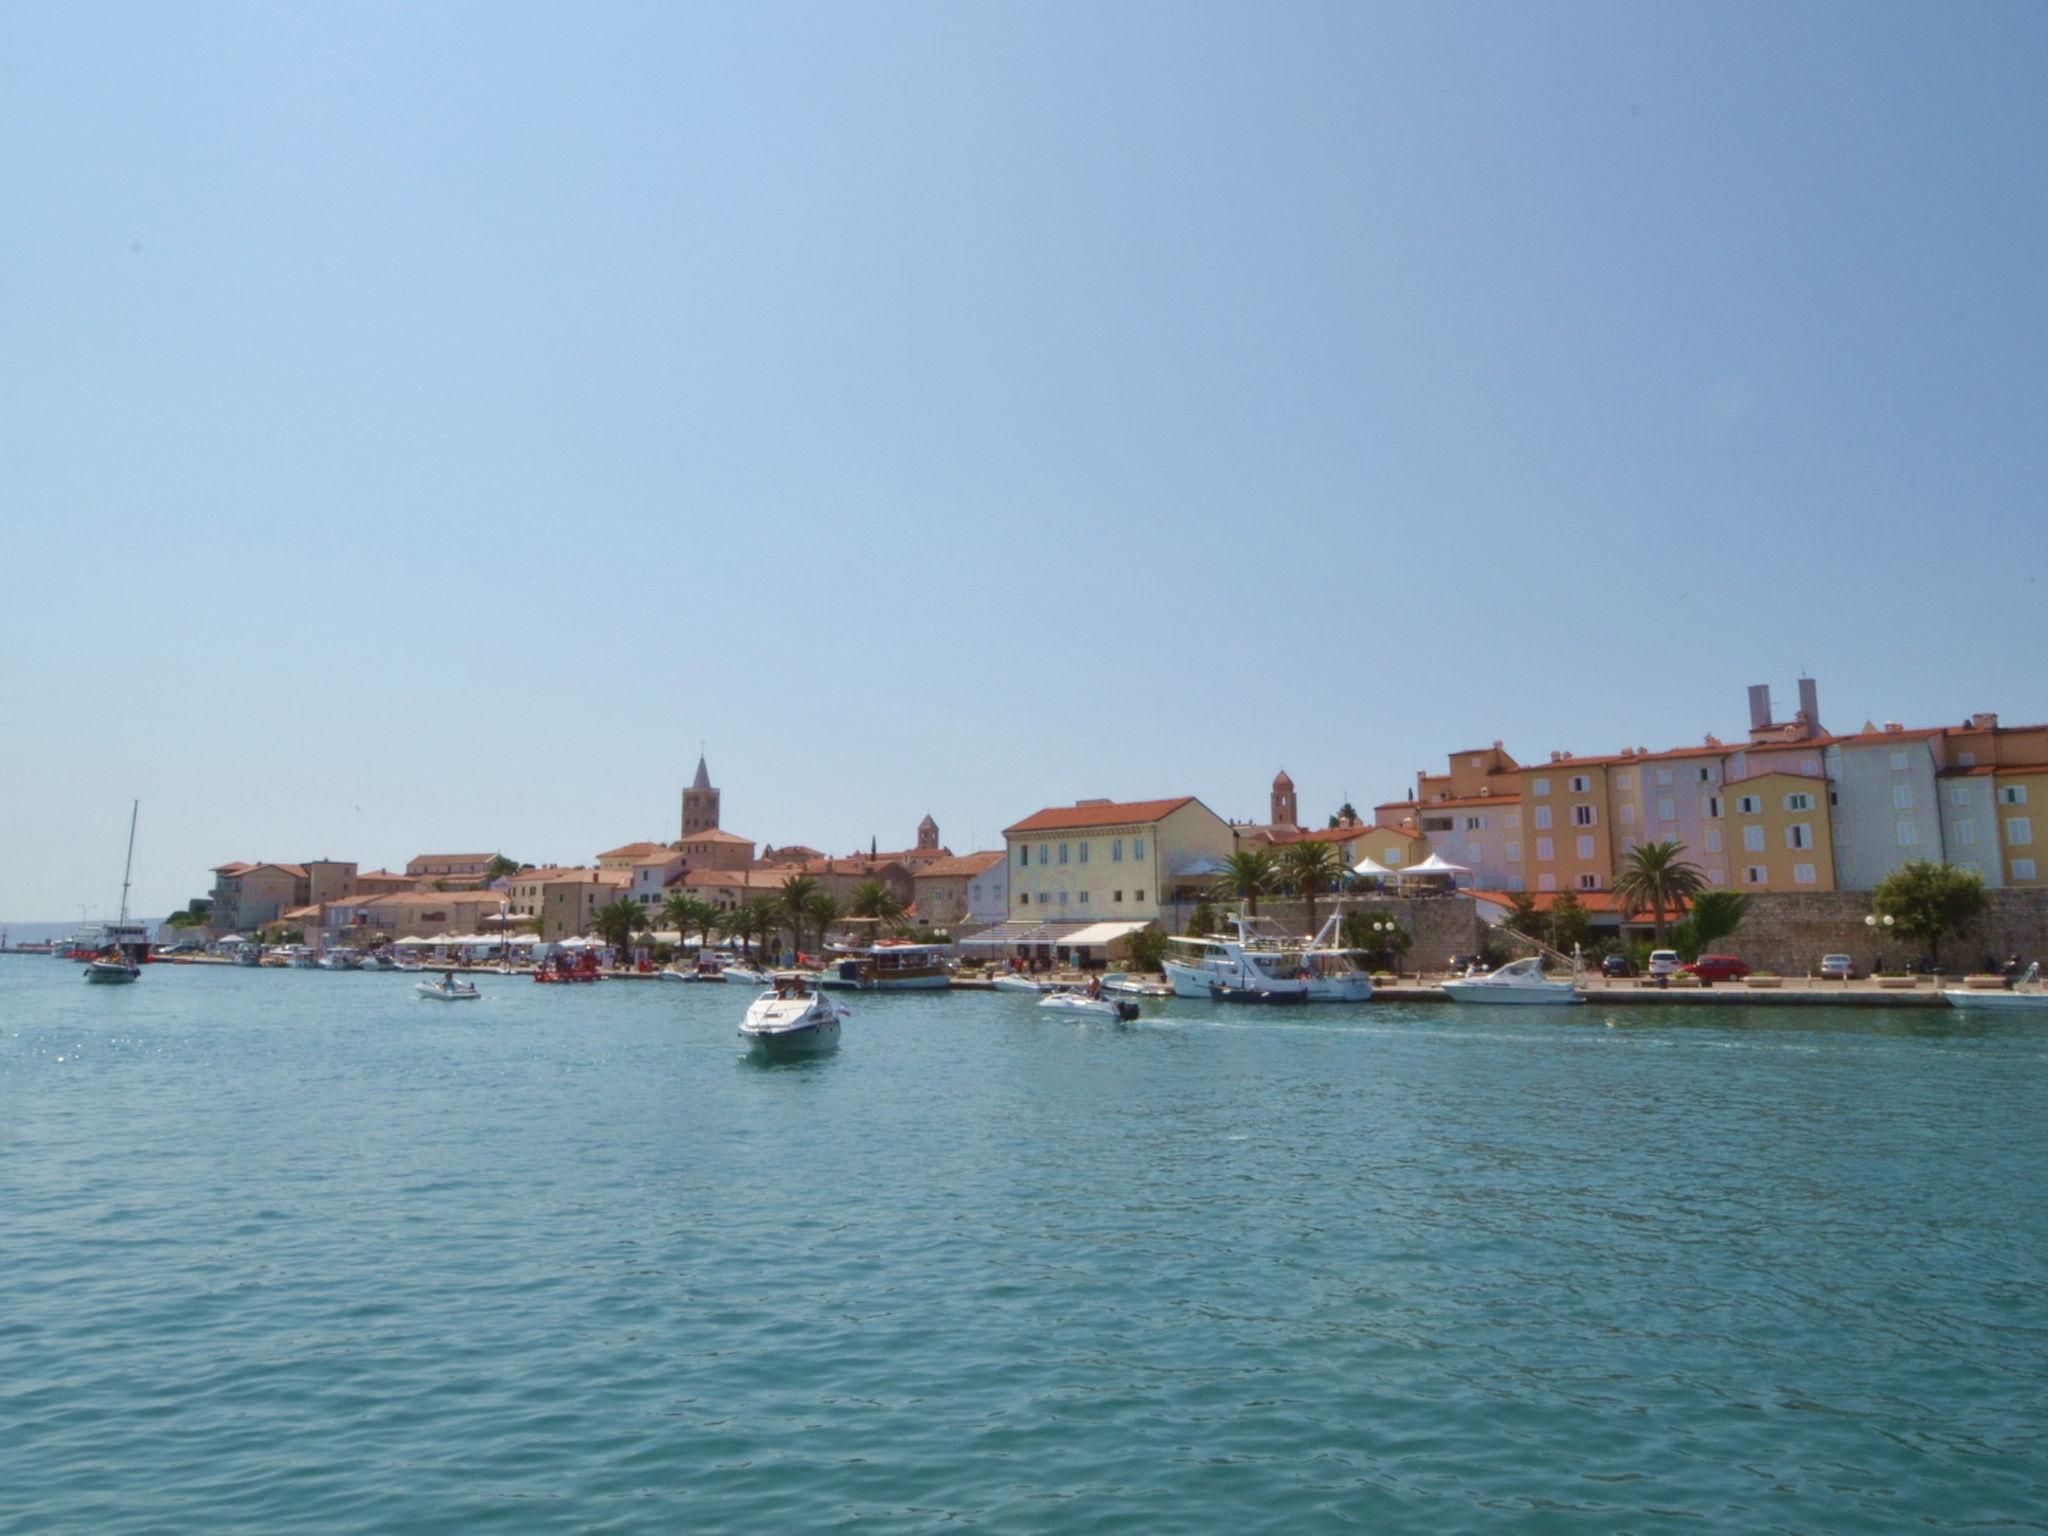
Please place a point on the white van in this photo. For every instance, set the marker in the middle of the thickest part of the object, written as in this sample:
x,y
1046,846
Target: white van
x,y
1663,962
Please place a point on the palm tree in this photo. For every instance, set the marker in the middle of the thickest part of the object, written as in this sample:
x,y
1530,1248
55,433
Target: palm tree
x,y
617,921
680,911
871,898
1309,869
796,890
751,919
1248,874
822,908
1656,877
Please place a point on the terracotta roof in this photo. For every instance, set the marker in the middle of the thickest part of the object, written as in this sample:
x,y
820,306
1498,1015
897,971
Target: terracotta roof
x,y
1410,834
1776,773
747,879
965,865
716,835
565,872
431,899
296,871
231,869
1106,813
635,850
312,911
453,858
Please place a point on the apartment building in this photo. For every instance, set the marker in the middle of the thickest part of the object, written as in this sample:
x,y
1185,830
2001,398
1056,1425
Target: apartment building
x,y
1102,860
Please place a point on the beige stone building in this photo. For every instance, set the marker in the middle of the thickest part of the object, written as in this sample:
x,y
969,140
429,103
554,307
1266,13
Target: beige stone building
x,y
247,896
945,888
629,855
715,848
1100,861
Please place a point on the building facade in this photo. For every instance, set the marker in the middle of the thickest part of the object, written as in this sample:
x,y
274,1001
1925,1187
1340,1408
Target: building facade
x,y
1101,860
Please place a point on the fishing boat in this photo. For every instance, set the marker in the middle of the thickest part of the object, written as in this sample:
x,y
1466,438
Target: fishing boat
x,y
888,966
447,990
1088,1006
1519,981
117,965
792,1018
2027,995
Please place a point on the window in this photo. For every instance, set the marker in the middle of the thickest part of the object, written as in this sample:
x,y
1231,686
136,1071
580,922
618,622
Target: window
x,y
1585,847
1899,761
1137,895
1475,823
1710,806
1966,834
1512,853
1023,898
1043,850
1706,775
1063,898
1540,787
1799,802
1799,835
1627,813
1546,882
1116,896
1063,853
1902,797
1542,816
1959,794
1023,857
2012,794
1752,839
1663,775
1589,882
1966,759
1624,781
1138,852
1436,823
1477,762
2019,831
1810,766
1749,805
1802,874
1512,820
1582,816
1545,850
1909,834
2023,869
1084,898
1667,809
1084,853
1116,853
1580,783
1755,874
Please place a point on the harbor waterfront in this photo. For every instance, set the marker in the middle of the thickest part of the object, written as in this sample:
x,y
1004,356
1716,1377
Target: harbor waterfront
x,y
291,1251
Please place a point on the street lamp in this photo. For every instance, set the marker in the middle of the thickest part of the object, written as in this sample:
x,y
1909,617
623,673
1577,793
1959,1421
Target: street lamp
x,y
1877,925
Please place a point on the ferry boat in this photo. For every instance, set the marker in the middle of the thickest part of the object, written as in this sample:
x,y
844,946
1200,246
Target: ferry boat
x,y
1263,960
888,966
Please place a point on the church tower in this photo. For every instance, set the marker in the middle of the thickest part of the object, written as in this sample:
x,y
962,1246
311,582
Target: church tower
x,y
700,803
1283,802
927,834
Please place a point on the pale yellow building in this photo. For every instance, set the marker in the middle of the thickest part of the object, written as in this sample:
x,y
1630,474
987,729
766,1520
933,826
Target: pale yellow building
x,y
1778,833
1102,861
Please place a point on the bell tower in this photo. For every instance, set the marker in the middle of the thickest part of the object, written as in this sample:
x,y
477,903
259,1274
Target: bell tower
x,y
1283,810
927,833
700,803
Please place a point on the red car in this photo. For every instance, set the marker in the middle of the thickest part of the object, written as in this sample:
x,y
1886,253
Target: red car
x,y
1717,968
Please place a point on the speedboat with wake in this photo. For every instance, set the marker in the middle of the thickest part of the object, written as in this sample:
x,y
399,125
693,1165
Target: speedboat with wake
x,y
1089,1005
448,990
1519,981
2027,995
792,1018
1012,981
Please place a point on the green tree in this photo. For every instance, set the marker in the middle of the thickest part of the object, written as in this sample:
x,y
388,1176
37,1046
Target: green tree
x,y
1569,923
751,919
617,921
500,866
1347,814
1655,877
1714,916
796,891
1309,869
1249,874
1378,937
1523,916
1148,949
871,898
1929,901
1203,918
822,908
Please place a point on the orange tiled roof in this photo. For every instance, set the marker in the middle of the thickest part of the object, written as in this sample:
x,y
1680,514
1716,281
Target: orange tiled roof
x,y
716,835
1107,813
232,869
965,865
635,850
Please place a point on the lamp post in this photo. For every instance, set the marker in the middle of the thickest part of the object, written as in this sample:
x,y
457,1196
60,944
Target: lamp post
x,y
1878,925
1384,938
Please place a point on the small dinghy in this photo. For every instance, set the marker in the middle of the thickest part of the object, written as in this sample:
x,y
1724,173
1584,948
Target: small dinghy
x,y
447,990
791,1019
1084,1005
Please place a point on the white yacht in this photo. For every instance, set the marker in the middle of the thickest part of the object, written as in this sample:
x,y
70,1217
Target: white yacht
x,y
2027,995
792,1018
1263,960
1519,981
1085,1005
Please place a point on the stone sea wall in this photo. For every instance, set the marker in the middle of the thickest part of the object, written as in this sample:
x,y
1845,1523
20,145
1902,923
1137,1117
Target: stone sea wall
x,y
1789,933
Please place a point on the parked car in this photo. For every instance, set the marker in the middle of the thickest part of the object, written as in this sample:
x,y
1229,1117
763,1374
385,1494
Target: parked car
x,y
1837,968
1717,968
1617,965
1663,962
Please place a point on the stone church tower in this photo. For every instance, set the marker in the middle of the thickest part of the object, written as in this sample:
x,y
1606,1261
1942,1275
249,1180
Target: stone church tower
x,y
700,803
1284,813
927,833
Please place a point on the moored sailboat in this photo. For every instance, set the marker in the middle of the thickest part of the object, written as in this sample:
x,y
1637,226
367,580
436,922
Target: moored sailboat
x,y
117,965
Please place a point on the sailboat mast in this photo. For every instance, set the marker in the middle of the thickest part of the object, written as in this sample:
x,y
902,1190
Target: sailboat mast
x,y
128,868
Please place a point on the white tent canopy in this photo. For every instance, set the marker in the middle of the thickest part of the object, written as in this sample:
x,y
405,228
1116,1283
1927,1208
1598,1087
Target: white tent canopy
x,y
1374,869
1436,864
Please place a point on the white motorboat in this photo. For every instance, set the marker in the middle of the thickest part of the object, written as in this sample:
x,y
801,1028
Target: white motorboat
x,y
1126,985
249,953
1087,1006
1010,981
791,1019
118,965
1261,959
448,990
340,960
2027,995
1519,981
744,973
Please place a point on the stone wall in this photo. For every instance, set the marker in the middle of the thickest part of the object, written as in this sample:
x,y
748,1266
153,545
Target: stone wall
x,y
1789,933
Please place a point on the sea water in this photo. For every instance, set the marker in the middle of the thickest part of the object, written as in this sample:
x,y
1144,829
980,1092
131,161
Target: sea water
x,y
297,1251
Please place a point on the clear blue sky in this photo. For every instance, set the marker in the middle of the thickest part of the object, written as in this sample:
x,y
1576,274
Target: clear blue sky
x,y
421,427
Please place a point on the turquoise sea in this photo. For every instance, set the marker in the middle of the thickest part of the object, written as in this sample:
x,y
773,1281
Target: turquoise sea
x,y
291,1251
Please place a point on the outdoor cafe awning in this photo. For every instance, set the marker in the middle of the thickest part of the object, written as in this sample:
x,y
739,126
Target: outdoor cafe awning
x,y
1103,933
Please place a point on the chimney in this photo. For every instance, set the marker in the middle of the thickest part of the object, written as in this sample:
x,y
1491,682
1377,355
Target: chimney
x,y
1809,701
1499,747
1760,707
1892,727
1557,757
1984,722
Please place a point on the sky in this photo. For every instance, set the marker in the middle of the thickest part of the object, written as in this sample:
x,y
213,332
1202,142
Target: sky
x,y
426,428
